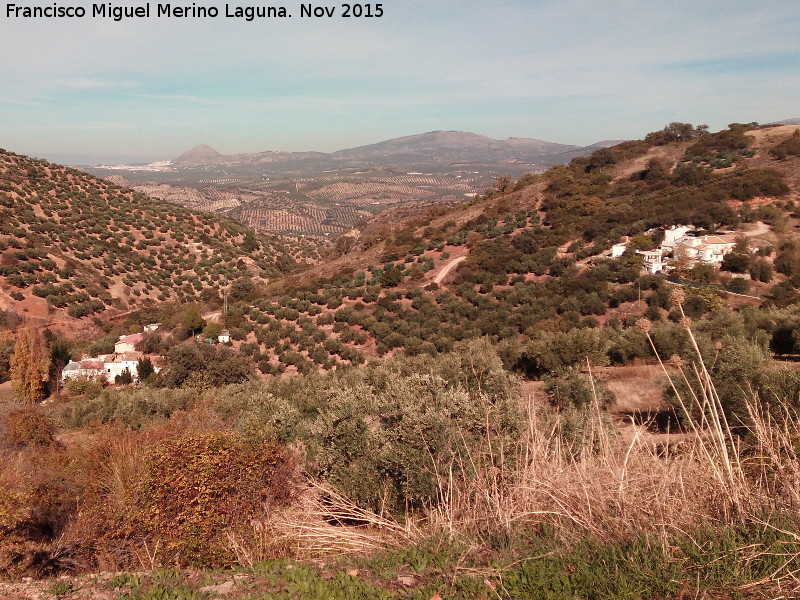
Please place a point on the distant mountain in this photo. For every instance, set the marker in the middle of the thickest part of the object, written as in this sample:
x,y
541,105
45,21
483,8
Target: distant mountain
x,y
453,147
197,155
435,151
787,122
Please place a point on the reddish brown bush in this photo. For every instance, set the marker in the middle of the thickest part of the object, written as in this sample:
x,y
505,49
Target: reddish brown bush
x,y
195,489
28,427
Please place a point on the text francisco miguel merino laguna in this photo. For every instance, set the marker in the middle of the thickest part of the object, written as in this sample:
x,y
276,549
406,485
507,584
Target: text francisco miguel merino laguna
x,y
159,10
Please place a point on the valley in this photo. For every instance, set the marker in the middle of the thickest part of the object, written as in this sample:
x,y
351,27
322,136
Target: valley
x,y
318,194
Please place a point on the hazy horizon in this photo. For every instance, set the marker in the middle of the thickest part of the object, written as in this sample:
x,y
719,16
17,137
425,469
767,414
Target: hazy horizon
x,y
140,90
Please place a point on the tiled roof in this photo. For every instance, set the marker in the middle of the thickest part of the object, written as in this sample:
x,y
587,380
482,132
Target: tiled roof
x,y
719,239
92,364
134,339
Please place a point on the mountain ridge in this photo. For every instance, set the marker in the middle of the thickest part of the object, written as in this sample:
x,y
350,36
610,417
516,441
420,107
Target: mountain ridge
x,y
433,147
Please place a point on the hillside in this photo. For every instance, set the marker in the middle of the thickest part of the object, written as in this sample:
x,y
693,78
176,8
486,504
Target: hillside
x,y
525,245
532,255
635,185
529,247
76,244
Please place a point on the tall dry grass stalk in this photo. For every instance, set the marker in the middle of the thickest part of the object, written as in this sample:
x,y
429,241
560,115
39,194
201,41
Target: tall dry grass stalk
x,y
599,486
592,485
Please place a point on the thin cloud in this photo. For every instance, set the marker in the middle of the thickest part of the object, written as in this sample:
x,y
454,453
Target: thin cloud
x,y
81,83
25,102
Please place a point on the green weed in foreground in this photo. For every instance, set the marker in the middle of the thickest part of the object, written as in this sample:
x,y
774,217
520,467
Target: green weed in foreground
x,y
123,580
748,562
732,563
723,561
158,591
61,588
164,584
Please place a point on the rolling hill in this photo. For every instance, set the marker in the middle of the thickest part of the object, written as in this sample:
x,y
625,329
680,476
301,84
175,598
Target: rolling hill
x,y
70,242
524,249
525,254
454,147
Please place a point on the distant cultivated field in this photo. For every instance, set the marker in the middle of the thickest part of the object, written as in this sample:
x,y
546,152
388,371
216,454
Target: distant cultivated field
x,y
328,205
388,189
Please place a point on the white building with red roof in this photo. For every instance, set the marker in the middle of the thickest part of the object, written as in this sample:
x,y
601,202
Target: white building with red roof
x,y
127,343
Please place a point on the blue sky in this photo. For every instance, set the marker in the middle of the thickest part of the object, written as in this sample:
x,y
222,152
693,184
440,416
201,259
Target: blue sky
x,y
94,90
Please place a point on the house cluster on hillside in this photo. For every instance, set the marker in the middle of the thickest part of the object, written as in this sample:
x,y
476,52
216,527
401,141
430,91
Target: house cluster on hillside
x,y
682,243
110,366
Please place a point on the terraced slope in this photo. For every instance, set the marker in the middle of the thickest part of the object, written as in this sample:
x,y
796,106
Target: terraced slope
x,y
71,241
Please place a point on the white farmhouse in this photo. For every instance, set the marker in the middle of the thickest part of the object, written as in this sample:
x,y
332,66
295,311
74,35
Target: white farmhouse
x,y
709,249
108,366
121,361
653,260
92,369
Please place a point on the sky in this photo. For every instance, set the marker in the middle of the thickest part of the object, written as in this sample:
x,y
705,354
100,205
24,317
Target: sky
x,y
93,90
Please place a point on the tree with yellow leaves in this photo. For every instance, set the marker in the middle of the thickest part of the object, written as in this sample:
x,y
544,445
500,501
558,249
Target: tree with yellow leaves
x,y
29,365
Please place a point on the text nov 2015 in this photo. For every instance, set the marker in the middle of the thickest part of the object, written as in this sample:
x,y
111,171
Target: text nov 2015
x,y
346,11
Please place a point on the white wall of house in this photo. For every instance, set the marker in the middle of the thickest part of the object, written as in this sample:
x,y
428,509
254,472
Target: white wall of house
x,y
75,370
113,369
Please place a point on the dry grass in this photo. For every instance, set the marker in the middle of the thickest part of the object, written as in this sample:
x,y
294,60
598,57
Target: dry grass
x,y
325,522
636,387
590,483
608,490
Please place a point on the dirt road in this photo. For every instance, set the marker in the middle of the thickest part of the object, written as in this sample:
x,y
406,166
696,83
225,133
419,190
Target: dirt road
x,y
447,268
757,230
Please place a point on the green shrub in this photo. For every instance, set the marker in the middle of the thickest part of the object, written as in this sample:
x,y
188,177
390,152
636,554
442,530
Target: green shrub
x,y
83,386
574,389
132,409
203,365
